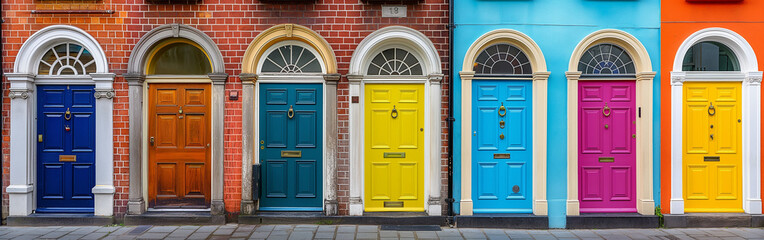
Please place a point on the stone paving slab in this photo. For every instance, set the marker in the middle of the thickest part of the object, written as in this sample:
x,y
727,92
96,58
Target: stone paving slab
x,y
297,232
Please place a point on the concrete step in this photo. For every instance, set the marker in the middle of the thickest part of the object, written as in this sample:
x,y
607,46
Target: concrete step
x,y
319,218
703,220
55,219
175,218
512,221
612,220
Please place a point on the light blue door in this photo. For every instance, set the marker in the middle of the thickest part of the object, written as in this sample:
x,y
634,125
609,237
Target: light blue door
x,y
502,146
291,149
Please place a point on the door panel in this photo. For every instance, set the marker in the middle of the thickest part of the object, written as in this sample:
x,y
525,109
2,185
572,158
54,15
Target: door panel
x,y
291,121
179,157
606,156
394,154
66,154
502,146
712,141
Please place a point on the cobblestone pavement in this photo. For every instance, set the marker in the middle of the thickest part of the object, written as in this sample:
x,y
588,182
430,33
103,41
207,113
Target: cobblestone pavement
x,y
234,231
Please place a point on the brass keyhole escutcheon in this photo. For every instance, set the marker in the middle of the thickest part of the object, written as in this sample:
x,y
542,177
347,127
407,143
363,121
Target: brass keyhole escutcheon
x,y
502,110
262,147
262,142
501,136
501,124
606,126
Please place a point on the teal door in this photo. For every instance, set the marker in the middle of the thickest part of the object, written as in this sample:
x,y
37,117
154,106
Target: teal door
x,y
291,150
502,147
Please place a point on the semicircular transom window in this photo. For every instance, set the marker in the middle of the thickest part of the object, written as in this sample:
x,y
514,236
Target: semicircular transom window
x,y
67,59
179,57
395,61
291,59
502,58
606,59
710,56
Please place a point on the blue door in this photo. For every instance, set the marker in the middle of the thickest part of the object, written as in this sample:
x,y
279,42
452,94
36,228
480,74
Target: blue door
x,y
65,149
502,146
291,129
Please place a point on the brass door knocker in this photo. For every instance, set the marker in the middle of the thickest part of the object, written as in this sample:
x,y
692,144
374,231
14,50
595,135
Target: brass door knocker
x,y
710,109
68,115
394,113
606,108
502,110
501,124
290,113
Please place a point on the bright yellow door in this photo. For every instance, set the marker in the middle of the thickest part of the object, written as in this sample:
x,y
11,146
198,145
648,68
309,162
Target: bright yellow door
x,y
394,147
711,158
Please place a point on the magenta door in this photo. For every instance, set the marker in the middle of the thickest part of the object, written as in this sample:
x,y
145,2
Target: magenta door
x,y
606,140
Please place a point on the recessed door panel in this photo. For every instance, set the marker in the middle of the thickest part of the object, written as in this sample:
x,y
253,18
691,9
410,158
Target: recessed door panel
x,y
65,149
394,154
179,146
711,154
607,141
502,146
291,116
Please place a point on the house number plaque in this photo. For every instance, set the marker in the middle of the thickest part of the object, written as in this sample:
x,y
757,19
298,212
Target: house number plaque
x,y
398,11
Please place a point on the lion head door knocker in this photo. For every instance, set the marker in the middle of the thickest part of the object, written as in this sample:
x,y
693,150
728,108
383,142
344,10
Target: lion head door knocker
x,y
606,108
394,113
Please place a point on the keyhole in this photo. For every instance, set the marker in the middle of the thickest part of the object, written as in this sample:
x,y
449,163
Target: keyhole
x,y
712,126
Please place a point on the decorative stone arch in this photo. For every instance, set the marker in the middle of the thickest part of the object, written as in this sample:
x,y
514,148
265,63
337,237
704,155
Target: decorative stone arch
x,y
644,127
251,77
539,96
23,132
138,81
424,50
750,77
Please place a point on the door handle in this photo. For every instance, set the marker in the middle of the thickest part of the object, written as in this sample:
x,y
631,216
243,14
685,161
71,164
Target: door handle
x,y
151,141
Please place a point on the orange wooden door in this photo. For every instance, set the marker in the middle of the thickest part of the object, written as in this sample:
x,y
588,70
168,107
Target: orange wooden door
x,y
179,145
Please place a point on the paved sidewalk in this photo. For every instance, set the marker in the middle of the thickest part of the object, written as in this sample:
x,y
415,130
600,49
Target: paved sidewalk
x,y
234,231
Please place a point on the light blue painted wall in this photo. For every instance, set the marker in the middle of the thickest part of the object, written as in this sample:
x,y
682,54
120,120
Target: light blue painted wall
x,y
556,26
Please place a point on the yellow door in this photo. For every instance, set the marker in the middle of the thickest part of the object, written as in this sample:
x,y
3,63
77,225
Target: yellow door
x,y
711,158
394,147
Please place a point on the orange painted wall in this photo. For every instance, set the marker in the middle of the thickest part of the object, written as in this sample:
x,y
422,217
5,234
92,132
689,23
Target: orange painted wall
x,y
680,19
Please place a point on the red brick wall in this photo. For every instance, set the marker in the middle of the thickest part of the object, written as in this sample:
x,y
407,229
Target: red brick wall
x,y
232,24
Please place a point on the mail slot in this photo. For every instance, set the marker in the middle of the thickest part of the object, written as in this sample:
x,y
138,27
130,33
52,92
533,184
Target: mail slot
x,y
395,155
711,159
393,204
291,154
501,155
67,158
607,159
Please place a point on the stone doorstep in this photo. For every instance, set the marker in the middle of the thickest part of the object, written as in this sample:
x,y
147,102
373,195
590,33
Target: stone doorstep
x,y
301,218
704,220
506,221
612,220
50,219
175,218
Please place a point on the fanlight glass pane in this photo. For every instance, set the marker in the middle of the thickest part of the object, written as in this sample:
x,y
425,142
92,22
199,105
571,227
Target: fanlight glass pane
x,y
710,56
291,59
395,61
180,58
606,59
502,58
66,59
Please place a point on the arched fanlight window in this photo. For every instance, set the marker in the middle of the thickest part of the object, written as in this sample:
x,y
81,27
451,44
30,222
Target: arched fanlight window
x,y
67,59
179,57
395,61
291,59
606,59
710,56
502,58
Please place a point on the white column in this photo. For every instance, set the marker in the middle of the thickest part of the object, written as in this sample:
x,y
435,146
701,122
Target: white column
x,y
465,203
104,146
248,141
573,205
217,206
331,206
434,206
540,206
752,143
645,202
21,201
135,204
677,199
356,146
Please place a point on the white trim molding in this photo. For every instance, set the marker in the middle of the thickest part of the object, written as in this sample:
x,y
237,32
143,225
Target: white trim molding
x,y
23,114
539,96
750,78
424,50
644,100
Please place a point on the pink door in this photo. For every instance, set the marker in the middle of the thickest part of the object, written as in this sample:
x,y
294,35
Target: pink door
x,y
607,144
